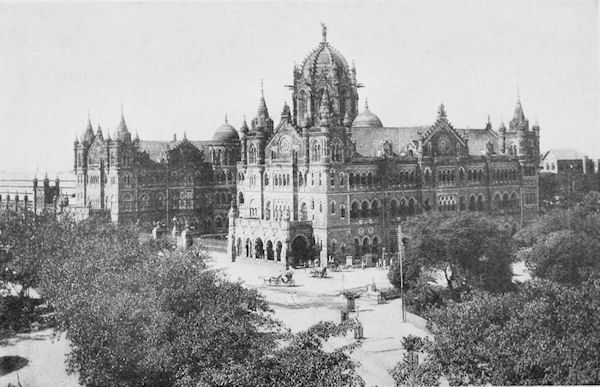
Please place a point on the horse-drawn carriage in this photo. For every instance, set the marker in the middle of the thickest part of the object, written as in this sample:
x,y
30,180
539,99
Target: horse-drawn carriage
x,y
281,279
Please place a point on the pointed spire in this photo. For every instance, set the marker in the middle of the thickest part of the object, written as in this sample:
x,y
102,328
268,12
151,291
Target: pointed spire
x,y
502,127
324,32
366,104
137,136
263,112
122,131
76,142
99,132
244,127
519,115
88,135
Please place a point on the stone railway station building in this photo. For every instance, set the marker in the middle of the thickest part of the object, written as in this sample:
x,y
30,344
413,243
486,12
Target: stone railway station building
x,y
324,181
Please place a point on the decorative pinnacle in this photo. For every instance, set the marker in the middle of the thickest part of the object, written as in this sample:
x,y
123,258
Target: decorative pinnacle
x,y
262,88
366,103
225,117
324,32
489,122
518,94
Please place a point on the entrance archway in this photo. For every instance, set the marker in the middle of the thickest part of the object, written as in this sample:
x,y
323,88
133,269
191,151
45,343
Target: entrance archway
x,y
270,253
278,249
301,252
248,248
259,251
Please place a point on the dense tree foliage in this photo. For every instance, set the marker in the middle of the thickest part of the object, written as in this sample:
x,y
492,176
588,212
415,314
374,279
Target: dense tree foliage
x,y
566,188
146,314
470,250
564,245
544,333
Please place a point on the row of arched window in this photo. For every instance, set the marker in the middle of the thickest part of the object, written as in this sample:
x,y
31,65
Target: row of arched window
x,y
505,201
365,210
279,179
505,174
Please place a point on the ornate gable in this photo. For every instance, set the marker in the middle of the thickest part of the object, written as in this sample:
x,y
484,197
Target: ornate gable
x,y
97,152
284,142
441,139
184,152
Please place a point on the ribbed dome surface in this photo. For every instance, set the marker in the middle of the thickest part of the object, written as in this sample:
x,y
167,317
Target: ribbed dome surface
x,y
226,132
324,57
367,119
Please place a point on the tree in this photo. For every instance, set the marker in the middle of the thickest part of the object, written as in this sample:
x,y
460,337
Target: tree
x,y
142,314
563,245
544,333
470,250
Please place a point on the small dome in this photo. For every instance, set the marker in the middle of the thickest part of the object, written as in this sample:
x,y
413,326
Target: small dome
x,y
226,132
367,119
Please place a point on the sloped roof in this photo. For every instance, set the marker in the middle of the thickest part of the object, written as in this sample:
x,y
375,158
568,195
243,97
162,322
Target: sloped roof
x,y
155,149
369,140
478,138
566,154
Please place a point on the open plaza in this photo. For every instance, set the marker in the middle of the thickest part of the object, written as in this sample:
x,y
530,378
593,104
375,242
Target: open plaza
x,y
309,301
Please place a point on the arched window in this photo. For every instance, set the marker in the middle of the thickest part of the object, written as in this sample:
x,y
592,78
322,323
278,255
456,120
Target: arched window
x,y
266,179
514,201
342,180
366,248
394,207
427,176
480,203
342,211
375,208
472,203
303,211
253,209
315,151
332,208
496,201
412,206
364,211
354,210
252,154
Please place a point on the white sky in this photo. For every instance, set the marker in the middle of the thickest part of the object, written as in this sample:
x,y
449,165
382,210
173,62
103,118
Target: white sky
x,y
181,67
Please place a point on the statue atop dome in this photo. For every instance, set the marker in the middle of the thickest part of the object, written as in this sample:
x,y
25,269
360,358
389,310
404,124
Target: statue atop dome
x,y
324,32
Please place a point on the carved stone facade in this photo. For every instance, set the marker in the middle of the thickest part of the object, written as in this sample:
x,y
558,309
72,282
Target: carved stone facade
x,y
327,181
187,182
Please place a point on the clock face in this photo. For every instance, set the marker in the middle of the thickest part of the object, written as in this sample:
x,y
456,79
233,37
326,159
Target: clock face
x,y
443,144
284,145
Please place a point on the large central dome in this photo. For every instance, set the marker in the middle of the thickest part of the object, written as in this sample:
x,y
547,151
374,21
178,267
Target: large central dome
x,y
324,58
324,78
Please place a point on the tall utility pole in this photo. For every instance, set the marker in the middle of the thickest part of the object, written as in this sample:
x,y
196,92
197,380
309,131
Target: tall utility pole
x,y
400,259
167,195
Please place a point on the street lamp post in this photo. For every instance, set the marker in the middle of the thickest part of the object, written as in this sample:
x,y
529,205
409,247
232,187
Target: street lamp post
x,y
400,259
